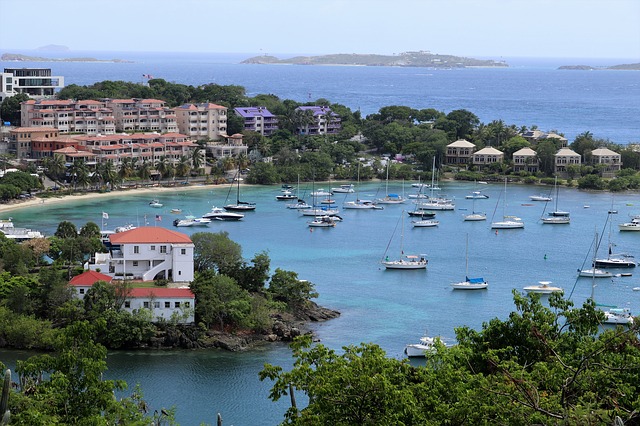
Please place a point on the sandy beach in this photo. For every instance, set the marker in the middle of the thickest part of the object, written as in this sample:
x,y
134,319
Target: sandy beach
x,y
31,202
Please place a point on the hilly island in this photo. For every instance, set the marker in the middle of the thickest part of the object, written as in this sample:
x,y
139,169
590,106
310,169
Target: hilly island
x,y
405,59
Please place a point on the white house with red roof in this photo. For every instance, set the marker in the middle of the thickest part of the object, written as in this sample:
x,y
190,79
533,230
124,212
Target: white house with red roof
x,y
147,253
83,282
164,303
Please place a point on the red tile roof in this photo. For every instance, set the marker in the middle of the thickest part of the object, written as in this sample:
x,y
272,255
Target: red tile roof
x,y
161,292
149,234
89,278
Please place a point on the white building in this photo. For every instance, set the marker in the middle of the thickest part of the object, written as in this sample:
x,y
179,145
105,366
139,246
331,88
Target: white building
x,y
163,303
563,158
610,160
83,282
148,253
486,156
36,82
525,159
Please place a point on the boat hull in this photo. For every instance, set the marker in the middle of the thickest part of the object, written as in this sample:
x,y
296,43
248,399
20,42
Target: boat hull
x,y
404,264
466,285
508,224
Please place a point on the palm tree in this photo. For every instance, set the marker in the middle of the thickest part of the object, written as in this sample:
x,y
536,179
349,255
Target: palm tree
x,y
197,159
144,171
243,161
56,166
127,168
183,167
80,174
303,119
108,174
328,120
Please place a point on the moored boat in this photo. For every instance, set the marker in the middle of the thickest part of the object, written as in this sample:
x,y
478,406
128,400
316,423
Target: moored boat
x,y
543,287
218,213
424,345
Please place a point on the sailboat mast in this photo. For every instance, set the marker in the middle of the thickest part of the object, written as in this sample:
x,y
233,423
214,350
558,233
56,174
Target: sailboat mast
x,y
466,260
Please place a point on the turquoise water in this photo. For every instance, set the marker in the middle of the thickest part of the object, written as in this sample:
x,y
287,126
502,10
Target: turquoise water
x,y
389,308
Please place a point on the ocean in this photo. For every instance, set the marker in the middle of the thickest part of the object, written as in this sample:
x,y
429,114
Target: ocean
x,y
531,92
389,308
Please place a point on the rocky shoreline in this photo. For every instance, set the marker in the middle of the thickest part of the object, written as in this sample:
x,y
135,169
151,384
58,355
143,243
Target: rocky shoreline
x,y
285,328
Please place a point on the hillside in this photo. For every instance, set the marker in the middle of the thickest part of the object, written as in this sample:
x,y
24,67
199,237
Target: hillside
x,y
628,67
406,59
15,57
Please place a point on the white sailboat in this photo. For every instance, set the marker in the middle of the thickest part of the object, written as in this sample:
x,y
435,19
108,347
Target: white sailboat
x,y
477,283
594,272
404,261
614,260
435,203
358,203
390,198
556,217
475,216
507,222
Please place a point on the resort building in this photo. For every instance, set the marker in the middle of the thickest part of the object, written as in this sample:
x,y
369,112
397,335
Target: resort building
x,y
232,146
526,160
609,162
204,121
460,152
487,156
322,121
535,136
146,254
21,139
563,158
258,119
142,115
89,117
164,303
36,82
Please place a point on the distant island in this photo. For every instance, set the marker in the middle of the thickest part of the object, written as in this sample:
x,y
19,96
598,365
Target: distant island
x,y
405,59
632,67
15,57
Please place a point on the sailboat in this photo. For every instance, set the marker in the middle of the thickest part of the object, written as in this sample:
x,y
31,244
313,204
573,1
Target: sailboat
x,y
436,203
241,206
404,261
594,272
358,203
507,222
556,217
391,198
614,260
317,210
469,283
475,216
300,204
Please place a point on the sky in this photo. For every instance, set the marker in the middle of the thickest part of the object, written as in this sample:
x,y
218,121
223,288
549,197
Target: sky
x,y
475,28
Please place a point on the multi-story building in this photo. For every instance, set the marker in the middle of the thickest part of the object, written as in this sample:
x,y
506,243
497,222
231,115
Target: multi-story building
x,y
147,253
535,136
324,121
486,156
258,119
204,121
232,146
610,161
21,139
563,158
142,115
35,82
525,159
88,116
460,152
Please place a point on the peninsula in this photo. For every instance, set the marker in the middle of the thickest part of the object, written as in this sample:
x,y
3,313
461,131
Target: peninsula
x,y
406,59
627,67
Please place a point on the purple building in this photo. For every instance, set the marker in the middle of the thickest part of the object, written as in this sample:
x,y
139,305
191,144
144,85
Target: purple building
x,y
258,119
324,121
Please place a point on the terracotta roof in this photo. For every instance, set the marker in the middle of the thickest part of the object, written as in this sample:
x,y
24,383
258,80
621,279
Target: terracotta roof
x,y
161,292
149,234
89,278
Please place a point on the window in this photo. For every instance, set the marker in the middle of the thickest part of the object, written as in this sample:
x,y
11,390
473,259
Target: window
x,y
127,304
167,304
146,304
82,291
153,248
135,263
163,249
156,305
136,249
187,304
177,304
183,251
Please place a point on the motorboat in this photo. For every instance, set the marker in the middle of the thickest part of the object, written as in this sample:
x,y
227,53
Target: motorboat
x,y
423,214
543,287
540,197
321,193
319,211
155,204
361,204
218,213
175,211
556,220
594,273
616,261
618,316
191,221
425,223
286,195
424,345
634,225
11,232
323,222
470,284
344,189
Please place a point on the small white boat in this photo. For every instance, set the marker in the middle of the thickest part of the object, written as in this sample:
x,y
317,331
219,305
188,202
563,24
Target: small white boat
x,y
475,217
300,205
508,223
155,204
328,201
594,273
406,262
323,222
286,195
191,221
175,211
362,204
556,220
470,284
424,345
476,195
618,316
543,287
540,198
319,211
391,199
425,223
321,193
344,189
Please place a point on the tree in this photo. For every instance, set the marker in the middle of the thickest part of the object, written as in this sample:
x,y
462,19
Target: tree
x,y
10,108
55,166
219,299
285,286
215,251
66,229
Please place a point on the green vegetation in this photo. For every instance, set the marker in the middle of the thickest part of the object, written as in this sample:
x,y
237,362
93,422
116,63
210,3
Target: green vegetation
x,y
542,365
